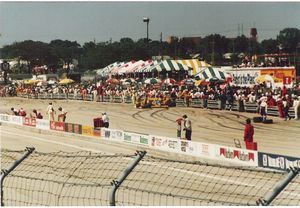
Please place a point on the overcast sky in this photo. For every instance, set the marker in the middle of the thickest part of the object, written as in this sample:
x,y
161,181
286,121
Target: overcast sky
x,y
86,21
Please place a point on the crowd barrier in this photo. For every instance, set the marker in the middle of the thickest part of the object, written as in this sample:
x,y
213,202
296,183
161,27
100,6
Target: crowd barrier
x,y
203,150
195,102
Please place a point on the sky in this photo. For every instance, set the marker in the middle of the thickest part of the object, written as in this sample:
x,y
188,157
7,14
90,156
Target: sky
x,y
105,21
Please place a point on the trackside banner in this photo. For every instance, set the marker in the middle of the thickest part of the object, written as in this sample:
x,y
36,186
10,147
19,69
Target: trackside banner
x,y
230,154
57,126
279,162
29,121
111,134
18,120
43,124
136,138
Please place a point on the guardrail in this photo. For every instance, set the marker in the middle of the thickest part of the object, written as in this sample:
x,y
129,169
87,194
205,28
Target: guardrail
x,y
195,102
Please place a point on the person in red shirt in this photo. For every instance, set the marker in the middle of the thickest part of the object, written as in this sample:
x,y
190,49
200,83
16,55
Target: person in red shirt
x,y
249,131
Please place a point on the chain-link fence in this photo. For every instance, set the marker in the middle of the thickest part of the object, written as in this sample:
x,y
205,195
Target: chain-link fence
x,y
86,178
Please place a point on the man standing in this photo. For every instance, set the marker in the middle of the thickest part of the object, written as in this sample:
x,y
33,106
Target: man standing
x,y
249,131
62,115
187,127
179,122
296,105
50,111
105,120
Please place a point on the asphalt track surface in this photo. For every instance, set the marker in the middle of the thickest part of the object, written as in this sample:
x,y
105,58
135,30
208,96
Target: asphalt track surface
x,y
209,126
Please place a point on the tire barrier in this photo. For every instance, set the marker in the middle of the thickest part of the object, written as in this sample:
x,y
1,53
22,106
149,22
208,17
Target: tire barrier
x,y
128,100
251,107
117,99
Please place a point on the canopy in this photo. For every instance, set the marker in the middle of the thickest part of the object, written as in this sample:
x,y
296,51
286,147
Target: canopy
x,y
31,81
66,81
170,65
209,73
195,64
148,67
152,81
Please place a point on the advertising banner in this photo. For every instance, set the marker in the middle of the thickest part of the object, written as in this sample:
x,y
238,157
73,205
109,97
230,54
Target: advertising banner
x,y
97,132
4,118
74,128
11,119
242,77
167,144
135,138
105,133
88,130
279,162
29,121
116,134
237,155
197,149
57,126
43,124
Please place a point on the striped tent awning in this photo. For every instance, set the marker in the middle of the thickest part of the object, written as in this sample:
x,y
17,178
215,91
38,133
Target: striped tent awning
x,y
209,73
195,64
170,65
148,67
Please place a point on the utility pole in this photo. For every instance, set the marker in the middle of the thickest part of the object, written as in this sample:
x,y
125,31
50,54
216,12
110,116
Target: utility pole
x,y
161,43
213,52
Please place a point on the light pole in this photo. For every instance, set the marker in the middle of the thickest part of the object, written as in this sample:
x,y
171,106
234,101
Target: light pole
x,y
147,20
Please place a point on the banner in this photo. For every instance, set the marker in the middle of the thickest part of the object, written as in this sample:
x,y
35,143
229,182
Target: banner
x,y
11,119
29,121
167,144
57,126
274,161
105,133
97,132
88,130
135,138
74,128
43,124
116,134
242,156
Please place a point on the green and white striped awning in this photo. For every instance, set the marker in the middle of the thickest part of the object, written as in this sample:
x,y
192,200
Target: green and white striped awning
x,y
170,65
209,73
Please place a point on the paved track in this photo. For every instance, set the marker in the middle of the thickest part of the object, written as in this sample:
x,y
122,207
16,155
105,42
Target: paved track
x,y
210,126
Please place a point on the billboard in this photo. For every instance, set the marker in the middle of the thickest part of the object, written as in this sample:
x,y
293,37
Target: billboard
x,y
275,161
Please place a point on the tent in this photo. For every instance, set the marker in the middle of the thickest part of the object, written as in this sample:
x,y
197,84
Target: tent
x,y
195,64
209,73
66,81
170,65
148,67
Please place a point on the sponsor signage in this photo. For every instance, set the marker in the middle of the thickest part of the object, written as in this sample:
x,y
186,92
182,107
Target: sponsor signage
x,y
43,124
74,128
105,133
116,134
97,132
243,156
57,126
11,119
167,144
88,130
274,161
135,138
29,121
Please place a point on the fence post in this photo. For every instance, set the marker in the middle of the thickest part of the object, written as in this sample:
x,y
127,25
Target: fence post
x,y
5,173
279,187
116,184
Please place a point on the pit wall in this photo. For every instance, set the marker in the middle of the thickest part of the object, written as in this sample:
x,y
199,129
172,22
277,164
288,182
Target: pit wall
x,y
234,155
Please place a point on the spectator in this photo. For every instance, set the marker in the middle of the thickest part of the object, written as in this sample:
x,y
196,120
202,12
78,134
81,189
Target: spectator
x,y
105,120
179,123
187,127
249,131
37,114
62,114
14,112
296,106
50,111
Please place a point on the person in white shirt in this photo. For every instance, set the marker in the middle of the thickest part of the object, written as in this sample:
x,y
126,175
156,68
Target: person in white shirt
x,y
62,114
296,106
187,127
263,109
105,120
50,111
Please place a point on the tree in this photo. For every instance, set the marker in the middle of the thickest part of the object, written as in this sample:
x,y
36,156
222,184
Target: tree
x,y
289,39
270,46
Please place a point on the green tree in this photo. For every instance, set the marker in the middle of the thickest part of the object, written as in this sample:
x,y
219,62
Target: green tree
x,y
289,39
269,46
